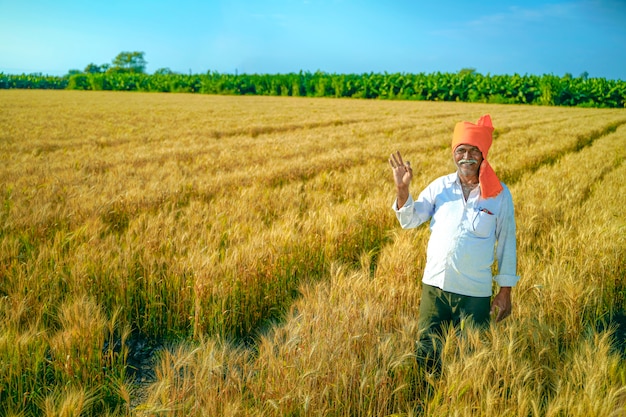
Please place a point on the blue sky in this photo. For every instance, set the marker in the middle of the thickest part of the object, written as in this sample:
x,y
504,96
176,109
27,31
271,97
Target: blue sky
x,y
335,36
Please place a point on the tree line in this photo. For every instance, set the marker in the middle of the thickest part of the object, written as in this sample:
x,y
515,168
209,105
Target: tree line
x,y
127,73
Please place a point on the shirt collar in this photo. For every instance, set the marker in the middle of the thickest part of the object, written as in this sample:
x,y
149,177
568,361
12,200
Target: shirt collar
x,y
454,178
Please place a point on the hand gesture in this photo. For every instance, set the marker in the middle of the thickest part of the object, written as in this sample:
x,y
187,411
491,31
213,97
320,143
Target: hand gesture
x,y
402,171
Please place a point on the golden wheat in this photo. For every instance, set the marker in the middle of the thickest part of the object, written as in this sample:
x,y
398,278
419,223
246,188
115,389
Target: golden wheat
x,y
255,235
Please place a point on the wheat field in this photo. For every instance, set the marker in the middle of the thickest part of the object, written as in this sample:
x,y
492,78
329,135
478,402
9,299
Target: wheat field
x,y
250,243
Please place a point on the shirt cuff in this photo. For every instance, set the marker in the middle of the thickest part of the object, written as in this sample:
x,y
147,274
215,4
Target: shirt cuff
x,y
507,280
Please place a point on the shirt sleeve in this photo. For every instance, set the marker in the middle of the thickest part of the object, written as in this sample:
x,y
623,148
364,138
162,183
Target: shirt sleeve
x,y
506,246
414,213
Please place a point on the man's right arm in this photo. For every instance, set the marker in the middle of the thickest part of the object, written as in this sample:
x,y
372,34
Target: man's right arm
x,y
402,197
412,214
409,213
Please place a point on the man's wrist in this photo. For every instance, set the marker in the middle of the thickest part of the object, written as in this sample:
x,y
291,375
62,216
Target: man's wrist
x,y
402,191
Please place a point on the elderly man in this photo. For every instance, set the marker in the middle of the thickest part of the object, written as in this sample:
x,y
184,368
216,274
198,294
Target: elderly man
x,y
471,218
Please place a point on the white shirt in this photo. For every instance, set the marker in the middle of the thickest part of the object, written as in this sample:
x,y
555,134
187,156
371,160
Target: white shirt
x,y
464,236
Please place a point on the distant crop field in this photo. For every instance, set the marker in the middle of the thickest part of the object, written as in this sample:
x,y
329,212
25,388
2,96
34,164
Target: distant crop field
x,y
193,255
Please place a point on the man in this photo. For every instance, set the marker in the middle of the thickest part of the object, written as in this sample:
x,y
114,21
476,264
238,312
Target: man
x,y
471,217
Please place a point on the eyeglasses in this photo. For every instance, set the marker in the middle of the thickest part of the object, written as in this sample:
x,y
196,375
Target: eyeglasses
x,y
461,150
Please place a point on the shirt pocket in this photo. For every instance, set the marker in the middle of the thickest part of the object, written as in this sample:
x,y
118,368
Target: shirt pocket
x,y
483,224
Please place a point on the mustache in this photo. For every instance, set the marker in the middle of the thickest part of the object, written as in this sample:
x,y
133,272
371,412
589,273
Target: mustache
x,y
468,161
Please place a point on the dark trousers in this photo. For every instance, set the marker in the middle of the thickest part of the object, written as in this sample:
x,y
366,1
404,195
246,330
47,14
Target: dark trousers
x,y
438,311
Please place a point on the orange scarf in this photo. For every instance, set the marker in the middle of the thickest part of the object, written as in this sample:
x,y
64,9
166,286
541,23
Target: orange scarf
x,y
479,135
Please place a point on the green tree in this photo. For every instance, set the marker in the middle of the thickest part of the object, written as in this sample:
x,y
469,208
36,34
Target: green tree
x,y
93,69
164,71
470,71
132,62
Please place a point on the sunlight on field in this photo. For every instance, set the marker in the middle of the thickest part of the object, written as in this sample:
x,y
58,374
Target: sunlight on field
x,y
250,243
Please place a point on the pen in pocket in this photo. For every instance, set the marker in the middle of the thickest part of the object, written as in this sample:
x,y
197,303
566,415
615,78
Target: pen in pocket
x,y
484,210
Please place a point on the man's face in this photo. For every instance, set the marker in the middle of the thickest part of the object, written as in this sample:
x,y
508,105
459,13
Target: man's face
x,y
467,159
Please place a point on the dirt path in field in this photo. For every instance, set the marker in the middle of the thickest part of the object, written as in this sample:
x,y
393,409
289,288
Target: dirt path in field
x,y
141,361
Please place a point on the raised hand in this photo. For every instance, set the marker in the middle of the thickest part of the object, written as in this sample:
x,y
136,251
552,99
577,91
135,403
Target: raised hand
x,y
402,176
402,171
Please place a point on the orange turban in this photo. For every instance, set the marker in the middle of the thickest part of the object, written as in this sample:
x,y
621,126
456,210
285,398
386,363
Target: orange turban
x,y
479,135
